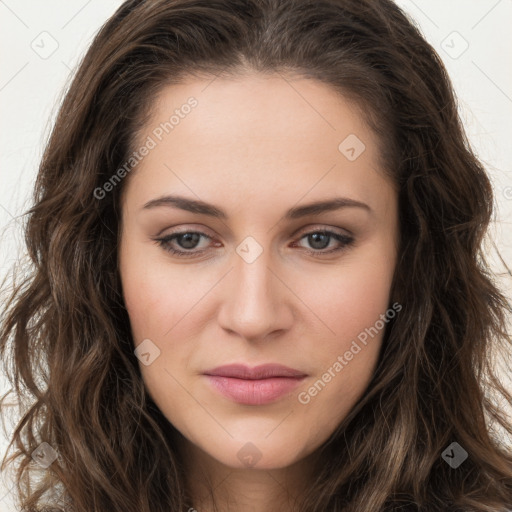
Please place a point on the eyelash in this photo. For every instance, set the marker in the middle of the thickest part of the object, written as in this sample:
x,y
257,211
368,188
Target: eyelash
x,y
164,242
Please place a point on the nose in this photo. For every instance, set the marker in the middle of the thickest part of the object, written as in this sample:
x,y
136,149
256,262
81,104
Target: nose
x,y
256,301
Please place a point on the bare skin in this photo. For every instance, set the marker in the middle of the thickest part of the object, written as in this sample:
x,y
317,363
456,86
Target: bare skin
x,y
256,147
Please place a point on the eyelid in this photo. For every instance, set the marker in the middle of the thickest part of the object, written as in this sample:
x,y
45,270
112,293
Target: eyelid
x,y
187,228
346,241
322,227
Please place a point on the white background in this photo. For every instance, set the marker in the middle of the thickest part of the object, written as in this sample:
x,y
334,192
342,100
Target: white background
x,y
32,81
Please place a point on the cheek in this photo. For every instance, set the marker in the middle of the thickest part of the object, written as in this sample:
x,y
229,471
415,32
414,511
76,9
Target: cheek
x,y
351,298
156,295
144,301
350,303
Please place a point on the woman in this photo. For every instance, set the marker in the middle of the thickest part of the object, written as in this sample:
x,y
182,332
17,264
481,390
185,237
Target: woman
x,y
258,281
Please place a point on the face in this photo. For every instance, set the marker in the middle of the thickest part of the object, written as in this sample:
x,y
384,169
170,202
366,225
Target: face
x,y
260,278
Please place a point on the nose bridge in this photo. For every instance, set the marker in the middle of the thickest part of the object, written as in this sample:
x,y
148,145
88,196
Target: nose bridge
x,y
253,305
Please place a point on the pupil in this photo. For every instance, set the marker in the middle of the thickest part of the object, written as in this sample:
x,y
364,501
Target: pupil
x,y
313,239
188,237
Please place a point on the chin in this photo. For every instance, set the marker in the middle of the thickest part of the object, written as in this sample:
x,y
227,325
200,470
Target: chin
x,y
258,453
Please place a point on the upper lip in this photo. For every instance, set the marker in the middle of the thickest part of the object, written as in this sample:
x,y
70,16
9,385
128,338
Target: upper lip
x,y
264,371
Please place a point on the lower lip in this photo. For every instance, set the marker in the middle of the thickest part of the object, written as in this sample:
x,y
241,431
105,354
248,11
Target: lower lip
x,y
254,392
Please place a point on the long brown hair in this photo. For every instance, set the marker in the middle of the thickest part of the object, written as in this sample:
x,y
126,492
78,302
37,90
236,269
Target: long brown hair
x,y
66,343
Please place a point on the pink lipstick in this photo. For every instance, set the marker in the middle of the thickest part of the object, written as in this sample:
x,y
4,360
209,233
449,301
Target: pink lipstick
x,y
254,386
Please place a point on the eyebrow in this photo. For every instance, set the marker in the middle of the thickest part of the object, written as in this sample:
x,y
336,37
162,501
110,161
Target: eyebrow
x,y
200,207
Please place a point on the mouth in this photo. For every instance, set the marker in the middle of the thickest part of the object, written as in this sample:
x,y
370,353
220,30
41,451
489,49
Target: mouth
x,y
254,386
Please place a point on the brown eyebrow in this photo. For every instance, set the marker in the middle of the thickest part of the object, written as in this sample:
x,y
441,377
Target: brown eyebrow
x,y
200,207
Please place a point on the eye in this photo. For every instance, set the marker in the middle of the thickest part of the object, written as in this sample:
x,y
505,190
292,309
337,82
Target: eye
x,y
188,241
319,240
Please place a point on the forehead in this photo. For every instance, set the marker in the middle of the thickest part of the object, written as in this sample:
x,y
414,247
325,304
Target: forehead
x,y
269,109
253,135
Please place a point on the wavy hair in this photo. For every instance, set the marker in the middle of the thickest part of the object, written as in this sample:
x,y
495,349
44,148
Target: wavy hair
x,y
66,343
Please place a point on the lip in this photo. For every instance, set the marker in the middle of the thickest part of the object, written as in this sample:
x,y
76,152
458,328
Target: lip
x,y
254,386
263,371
